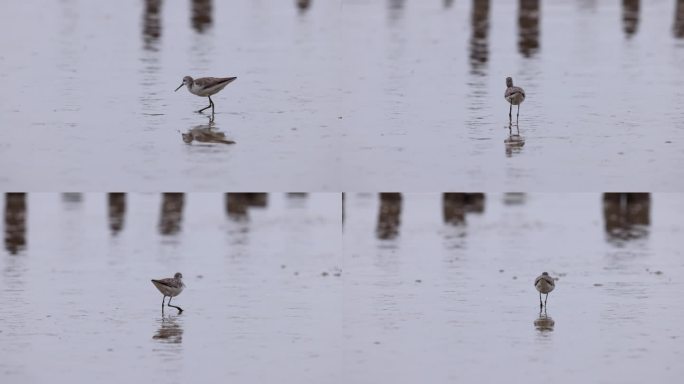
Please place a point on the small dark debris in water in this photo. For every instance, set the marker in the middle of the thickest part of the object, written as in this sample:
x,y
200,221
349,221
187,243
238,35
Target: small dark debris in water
x,y
337,274
621,153
110,350
339,117
324,273
562,274
658,272
501,270
282,266
598,285
200,276
419,281
668,142
376,342
293,129
296,273
515,277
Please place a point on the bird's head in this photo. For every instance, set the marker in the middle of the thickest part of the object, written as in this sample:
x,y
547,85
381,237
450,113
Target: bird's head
x,y
187,80
509,81
178,275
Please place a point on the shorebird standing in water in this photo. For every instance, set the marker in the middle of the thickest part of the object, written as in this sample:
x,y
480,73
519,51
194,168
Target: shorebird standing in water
x,y
170,287
515,96
206,86
544,284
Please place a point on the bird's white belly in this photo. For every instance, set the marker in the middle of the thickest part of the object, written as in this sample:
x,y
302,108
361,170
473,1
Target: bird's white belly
x,y
544,287
515,99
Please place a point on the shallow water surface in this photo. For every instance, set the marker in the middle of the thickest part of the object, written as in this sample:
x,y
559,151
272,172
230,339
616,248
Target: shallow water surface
x,y
78,305
343,95
435,301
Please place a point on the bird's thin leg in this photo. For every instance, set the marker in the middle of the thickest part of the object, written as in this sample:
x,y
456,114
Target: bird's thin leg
x,y
510,112
211,104
173,306
540,302
546,298
518,115
163,298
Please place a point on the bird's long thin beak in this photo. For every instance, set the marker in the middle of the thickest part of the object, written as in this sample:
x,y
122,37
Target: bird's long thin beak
x,y
179,87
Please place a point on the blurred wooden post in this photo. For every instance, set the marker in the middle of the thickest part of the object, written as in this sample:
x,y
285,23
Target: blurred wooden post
x,y
630,16
389,216
479,35
15,222
303,5
151,24
678,28
456,205
117,210
171,213
201,15
626,214
237,203
528,27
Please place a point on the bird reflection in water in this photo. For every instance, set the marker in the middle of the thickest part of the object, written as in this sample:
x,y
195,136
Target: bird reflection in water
x,y
205,133
514,142
544,322
170,330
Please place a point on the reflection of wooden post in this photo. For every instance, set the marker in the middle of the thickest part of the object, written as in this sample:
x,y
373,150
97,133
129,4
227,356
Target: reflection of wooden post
x,y
456,205
15,222
201,15
528,27
117,209
297,195
151,23
171,213
623,211
448,3
479,47
72,197
678,28
389,216
630,16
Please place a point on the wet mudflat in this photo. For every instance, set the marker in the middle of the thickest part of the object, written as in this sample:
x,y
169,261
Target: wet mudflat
x,y
78,305
344,95
603,82
444,292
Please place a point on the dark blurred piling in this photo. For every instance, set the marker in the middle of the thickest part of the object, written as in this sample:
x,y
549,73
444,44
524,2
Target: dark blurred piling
x,y
201,15
116,203
389,216
479,38
171,213
626,215
237,203
448,3
630,16
15,222
528,27
303,5
151,24
456,205
678,28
